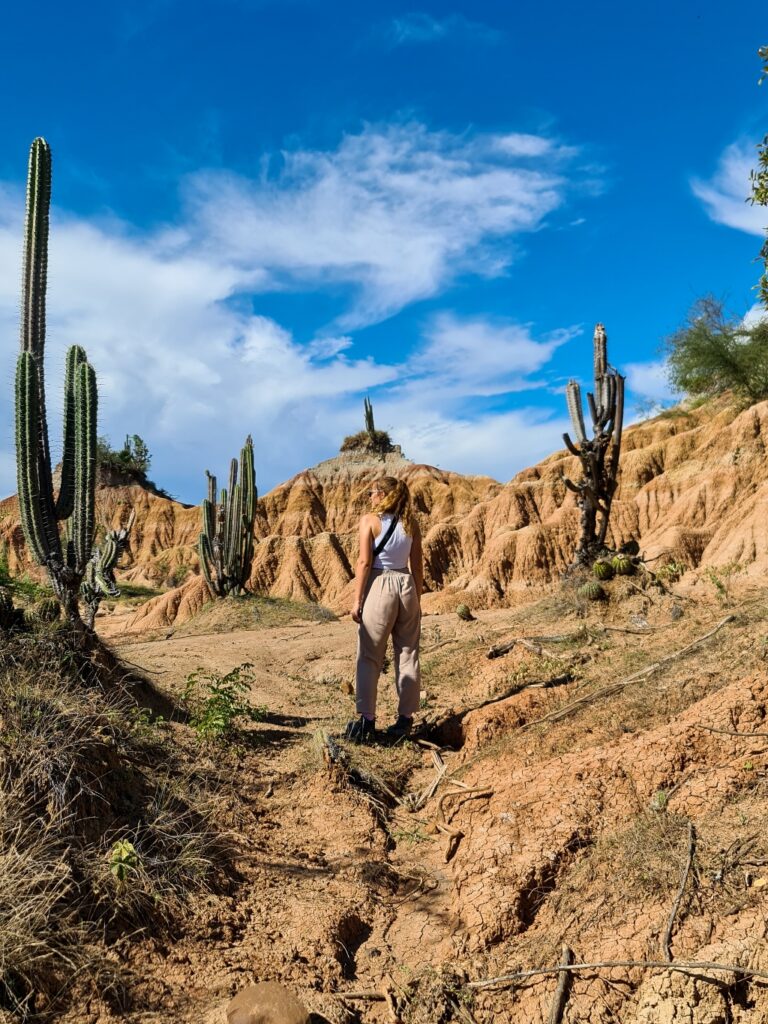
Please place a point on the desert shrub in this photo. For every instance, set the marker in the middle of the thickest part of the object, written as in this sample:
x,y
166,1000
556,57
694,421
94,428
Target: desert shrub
x,y
217,702
377,442
712,353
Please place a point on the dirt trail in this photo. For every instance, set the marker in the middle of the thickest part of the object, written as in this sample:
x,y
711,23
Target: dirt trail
x,y
341,887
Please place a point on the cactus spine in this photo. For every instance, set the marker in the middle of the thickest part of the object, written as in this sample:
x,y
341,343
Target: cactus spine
x,y
598,455
225,546
41,511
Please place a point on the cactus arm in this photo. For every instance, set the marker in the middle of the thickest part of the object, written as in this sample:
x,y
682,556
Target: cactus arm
x,y
571,446
27,431
206,558
599,343
85,464
66,499
571,485
573,398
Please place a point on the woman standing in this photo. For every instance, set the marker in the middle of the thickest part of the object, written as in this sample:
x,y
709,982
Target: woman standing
x,y
388,584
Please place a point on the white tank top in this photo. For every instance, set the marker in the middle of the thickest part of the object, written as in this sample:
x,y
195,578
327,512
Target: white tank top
x,y
397,550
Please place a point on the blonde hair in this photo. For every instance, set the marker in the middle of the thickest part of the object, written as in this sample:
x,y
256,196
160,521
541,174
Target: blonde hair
x,y
396,501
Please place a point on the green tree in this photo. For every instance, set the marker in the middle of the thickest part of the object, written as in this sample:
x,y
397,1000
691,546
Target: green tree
x,y
133,457
712,353
759,180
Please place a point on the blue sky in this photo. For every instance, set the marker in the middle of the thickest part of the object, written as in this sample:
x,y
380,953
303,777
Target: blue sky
x,y
264,211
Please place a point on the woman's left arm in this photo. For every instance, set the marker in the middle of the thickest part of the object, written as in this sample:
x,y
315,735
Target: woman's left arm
x,y
416,560
363,567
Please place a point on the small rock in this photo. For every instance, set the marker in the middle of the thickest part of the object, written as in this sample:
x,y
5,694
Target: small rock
x,y
266,1003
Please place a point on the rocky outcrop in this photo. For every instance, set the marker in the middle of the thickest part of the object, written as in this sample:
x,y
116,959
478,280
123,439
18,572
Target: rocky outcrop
x,y
693,487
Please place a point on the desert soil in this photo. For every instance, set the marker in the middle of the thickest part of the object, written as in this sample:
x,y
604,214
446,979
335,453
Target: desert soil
x,y
573,830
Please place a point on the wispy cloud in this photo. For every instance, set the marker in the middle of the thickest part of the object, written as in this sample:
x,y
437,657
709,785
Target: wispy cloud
x,y
395,212
649,380
725,194
418,27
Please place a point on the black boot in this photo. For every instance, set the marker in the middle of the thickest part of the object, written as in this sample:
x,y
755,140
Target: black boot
x,y
361,730
401,728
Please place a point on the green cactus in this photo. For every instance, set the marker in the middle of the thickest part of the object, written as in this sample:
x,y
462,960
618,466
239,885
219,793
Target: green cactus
x,y
464,613
369,425
225,545
598,455
592,591
99,580
41,511
622,565
603,569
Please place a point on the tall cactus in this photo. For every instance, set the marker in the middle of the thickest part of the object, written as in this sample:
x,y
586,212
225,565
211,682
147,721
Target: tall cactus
x,y
226,541
599,455
41,511
369,426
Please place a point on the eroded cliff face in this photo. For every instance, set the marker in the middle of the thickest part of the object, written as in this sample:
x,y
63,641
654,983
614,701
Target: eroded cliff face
x,y
693,487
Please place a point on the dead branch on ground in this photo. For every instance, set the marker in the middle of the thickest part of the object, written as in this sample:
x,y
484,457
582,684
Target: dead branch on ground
x,y
667,937
499,650
560,997
509,980
612,688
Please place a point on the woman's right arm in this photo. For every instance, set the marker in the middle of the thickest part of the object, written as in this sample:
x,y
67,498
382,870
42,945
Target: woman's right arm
x,y
416,560
363,567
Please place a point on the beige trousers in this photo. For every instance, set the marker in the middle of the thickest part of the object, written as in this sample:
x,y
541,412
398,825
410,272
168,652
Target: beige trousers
x,y
391,607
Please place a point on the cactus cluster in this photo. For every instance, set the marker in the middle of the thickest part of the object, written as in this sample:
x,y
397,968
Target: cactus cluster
x,y
99,580
602,569
41,510
598,454
226,541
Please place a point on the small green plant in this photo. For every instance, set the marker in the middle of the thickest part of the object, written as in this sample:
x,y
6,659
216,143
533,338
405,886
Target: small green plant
x,y
216,702
720,577
123,860
671,572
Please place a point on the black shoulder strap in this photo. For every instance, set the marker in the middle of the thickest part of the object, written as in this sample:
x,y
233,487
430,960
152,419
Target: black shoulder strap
x,y
383,542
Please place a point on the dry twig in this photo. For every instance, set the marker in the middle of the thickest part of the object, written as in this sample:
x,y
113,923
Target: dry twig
x,y
508,980
608,691
732,732
561,992
667,938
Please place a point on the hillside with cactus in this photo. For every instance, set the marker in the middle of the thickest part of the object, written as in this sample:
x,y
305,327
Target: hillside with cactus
x,y
691,490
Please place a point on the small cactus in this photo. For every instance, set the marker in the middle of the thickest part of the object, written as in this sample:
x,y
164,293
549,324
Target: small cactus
x,y
464,613
592,591
47,610
622,565
602,569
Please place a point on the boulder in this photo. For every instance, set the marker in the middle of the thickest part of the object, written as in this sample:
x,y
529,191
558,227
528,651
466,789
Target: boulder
x,y
266,1003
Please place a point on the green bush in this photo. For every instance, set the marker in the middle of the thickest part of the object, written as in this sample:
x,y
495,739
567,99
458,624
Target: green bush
x,y
377,441
713,353
216,702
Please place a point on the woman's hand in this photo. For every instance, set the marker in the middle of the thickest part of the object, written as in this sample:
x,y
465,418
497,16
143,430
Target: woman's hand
x,y
357,613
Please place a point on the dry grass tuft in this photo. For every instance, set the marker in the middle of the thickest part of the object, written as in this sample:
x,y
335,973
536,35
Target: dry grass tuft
x,y
77,773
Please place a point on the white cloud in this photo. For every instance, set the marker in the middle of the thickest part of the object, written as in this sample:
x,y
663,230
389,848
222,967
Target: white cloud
x,y
396,212
474,357
167,317
649,380
725,194
419,27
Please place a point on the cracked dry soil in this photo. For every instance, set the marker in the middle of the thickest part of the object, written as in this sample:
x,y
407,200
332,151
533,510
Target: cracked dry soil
x,y
536,835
